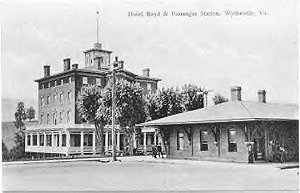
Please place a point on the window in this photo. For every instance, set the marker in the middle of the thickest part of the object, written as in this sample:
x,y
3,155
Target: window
x,y
42,101
54,119
204,140
63,140
48,118
84,81
59,82
49,84
61,98
69,97
149,86
34,140
179,140
68,116
70,80
42,139
98,81
28,139
49,139
41,119
55,99
75,140
48,100
60,117
232,146
88,140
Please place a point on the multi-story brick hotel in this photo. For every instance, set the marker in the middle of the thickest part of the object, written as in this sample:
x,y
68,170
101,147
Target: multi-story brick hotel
x,y
61,129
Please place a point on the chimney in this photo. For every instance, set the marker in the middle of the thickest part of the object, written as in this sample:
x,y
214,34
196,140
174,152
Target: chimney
x,y
67,63
74,66
236,94
121,64
261,96
98,46
46,70
146,72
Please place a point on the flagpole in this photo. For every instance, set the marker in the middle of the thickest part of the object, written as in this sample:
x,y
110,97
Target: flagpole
x,y
97,26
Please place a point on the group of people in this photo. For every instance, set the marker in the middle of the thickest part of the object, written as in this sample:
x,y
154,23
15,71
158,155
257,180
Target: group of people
x,y
157,150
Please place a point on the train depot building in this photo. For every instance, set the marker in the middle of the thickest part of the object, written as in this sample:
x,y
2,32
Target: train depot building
x,y
239,131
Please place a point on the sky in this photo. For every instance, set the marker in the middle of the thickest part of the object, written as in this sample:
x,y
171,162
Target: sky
x,y
254,52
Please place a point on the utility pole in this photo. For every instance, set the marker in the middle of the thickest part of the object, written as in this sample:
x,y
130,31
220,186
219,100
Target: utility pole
x,y
113,132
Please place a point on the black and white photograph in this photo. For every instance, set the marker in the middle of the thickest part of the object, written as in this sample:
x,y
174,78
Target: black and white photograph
x,y
149,96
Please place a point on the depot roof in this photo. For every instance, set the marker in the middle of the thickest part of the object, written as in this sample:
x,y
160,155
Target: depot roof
x,y
230,112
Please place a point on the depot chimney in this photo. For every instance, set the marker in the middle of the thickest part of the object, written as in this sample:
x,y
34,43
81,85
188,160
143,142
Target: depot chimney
x,y
67,64
236,94
46,70
146,72
261,96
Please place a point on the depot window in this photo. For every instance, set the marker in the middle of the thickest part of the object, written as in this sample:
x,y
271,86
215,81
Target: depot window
x,y
204,140
232,145
180,140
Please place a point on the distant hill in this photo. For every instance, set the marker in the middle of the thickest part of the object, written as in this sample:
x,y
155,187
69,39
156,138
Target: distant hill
x,y
9,130
9,107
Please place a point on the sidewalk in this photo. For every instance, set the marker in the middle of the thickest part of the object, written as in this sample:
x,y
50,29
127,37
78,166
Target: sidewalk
x,y
150,159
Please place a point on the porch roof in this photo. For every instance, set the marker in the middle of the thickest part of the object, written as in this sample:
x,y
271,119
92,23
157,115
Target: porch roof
x,y
230,112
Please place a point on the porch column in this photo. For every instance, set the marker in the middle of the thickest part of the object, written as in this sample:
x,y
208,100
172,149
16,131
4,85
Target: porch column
x,y
145,141
38,139
266,143
106,141
68,142
118,141
94,143
81,142
52,139
60,139
45,141
155,138
26,139
134,141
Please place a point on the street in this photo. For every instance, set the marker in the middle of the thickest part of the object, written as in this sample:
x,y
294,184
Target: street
x,y
149,175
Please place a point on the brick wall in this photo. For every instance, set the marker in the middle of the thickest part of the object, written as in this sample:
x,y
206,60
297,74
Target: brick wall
x,y
192,149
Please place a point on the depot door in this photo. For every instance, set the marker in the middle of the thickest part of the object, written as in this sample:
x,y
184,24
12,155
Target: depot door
x,y
259,148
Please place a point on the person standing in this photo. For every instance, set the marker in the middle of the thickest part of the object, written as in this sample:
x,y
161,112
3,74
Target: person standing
x,y
153,151
159,151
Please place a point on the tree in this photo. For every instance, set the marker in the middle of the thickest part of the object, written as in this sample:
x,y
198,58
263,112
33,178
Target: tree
x,y
20,116
30,113
91,107
164,102
192,97
5,154
219,99
130,108
18,151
